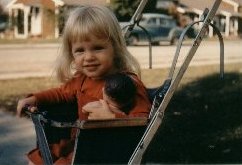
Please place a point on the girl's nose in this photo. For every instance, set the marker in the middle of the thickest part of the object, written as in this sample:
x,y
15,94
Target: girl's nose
x,y
89,55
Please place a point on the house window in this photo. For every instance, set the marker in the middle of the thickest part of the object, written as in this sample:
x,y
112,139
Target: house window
x,y
20,21
36,12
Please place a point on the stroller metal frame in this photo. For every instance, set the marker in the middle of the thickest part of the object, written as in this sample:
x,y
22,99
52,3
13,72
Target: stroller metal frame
x,y
162,96
157,119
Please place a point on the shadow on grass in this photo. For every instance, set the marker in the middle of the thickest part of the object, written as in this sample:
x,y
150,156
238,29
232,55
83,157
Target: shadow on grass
x,y
202,123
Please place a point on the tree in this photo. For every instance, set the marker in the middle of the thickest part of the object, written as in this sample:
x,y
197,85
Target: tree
x,y
124,9
1,9
151,7
3,19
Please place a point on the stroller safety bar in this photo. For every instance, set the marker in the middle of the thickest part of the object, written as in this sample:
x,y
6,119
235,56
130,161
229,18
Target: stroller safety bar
x,y
90,124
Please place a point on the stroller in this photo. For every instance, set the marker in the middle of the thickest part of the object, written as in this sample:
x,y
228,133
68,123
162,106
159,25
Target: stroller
x,y
123,141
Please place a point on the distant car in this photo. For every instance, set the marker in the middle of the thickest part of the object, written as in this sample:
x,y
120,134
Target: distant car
x,y
159,26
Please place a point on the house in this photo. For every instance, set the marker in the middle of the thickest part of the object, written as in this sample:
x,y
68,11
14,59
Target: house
x,y
29,18
228,17
45,18
41,18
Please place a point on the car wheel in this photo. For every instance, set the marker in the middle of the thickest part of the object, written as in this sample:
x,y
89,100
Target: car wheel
x,y
156,43
133,40
174,41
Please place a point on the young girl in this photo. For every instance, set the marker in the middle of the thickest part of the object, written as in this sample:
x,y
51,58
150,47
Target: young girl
x,y
92,48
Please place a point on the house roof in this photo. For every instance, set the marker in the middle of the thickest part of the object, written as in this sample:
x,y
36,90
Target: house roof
x,y
85,2
50,4
4,3
201,5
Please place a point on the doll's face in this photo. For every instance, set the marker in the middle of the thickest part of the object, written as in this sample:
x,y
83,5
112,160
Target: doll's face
x,y
93,57
113,106
109,100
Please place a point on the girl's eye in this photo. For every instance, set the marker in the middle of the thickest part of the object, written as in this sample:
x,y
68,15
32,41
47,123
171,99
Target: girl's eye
x,y
78,51
98,48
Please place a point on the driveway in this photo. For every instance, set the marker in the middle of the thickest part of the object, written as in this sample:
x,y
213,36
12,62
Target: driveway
x,y
17,137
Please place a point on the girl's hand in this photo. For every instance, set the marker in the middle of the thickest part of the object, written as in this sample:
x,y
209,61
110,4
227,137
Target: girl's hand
x,y
31,101
98,110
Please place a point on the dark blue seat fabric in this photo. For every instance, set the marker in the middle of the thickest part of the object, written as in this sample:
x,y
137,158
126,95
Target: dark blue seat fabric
x,y
107,145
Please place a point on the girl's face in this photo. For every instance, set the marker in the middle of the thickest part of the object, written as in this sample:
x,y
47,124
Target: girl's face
x,y
93,57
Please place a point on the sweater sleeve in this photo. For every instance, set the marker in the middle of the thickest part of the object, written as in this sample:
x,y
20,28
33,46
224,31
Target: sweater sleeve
x,y
64,93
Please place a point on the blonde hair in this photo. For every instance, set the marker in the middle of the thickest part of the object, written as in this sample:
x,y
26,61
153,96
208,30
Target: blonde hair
x,y
102,23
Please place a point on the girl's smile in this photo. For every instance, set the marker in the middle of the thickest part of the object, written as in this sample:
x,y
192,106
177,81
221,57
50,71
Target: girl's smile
x,y
91,67
93,57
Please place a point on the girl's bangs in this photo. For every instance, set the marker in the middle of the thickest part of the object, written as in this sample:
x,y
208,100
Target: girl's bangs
x,y
82,30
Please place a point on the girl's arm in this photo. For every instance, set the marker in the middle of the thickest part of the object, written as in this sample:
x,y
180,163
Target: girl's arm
x,y
31,101
53,96
98,110
65,93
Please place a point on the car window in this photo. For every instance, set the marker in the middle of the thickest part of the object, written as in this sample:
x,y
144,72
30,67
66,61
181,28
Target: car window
x,y
143,20
163,22
167,22
172,23
152,21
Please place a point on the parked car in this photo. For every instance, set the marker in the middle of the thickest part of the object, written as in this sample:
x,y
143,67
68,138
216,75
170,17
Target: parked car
x,y
159,26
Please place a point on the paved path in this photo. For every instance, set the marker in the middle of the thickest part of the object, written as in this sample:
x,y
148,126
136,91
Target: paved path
x,y
17,137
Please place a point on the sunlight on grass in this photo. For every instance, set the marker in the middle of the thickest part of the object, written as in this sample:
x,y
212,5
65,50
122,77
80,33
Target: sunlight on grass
x,y
13,89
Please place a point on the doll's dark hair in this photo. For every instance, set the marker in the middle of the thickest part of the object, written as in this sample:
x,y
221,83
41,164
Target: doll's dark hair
x,y
121,88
